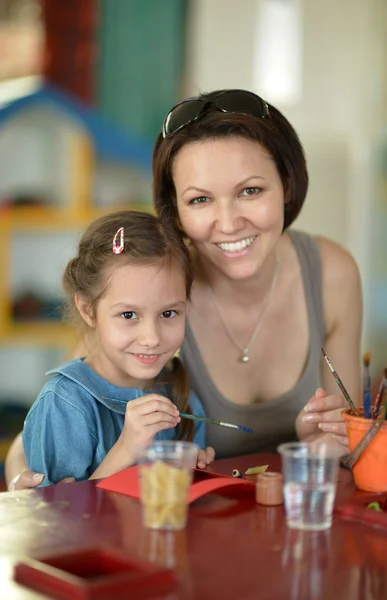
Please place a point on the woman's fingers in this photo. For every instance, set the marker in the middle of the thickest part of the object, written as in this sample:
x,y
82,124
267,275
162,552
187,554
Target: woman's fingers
x,y
338,428
318,417
342,440
25,481
322,402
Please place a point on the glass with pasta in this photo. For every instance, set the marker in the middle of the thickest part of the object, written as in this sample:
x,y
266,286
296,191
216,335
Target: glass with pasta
x,y
165,478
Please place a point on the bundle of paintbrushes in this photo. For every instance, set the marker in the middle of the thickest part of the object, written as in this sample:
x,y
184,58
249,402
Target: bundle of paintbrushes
x,y
366,386
379,396
377,412
374,411
369,411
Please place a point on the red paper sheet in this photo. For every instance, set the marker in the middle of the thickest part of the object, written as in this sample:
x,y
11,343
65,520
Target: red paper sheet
x,y
127,482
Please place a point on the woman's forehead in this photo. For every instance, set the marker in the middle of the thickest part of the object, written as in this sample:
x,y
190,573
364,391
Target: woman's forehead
x,y
233,153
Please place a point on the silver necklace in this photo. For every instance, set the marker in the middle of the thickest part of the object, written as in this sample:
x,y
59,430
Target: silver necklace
x,y
245,351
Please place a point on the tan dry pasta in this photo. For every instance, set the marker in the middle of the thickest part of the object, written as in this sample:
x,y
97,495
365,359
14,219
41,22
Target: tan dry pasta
x,y
164,495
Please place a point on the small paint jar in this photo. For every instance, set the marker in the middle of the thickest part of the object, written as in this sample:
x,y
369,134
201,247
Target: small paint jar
x,y
268,489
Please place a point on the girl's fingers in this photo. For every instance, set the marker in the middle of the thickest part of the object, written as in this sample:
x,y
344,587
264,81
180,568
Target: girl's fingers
x,y
202,460
205,457
210,454
153,429
152,403
157,417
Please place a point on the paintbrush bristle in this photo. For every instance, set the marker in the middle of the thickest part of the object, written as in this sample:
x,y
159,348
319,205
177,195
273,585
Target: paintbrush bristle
x,y
366,359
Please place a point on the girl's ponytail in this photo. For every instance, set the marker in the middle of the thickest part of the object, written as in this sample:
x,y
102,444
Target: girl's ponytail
x,y
178,380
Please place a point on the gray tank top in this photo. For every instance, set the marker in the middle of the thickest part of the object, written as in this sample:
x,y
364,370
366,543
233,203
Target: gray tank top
x,y
272,422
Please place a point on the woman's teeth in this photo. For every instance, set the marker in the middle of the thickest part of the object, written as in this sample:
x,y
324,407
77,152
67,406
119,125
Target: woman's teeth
x,y
237,246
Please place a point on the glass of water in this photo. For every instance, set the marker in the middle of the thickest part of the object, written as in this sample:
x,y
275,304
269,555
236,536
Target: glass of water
x,y
310,475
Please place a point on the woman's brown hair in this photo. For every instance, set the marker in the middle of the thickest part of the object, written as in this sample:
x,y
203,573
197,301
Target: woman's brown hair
x,y
274,133
148,240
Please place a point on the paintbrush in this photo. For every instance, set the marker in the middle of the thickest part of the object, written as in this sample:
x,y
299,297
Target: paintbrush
x,y
366,385
195,418
379,395
349,460
340,384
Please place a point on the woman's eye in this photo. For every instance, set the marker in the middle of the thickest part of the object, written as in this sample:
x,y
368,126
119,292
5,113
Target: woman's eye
x,y
169,314
251,191
199,200
129,315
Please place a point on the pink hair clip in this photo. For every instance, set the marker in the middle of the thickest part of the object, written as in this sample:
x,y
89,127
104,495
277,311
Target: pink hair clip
x,y
120,248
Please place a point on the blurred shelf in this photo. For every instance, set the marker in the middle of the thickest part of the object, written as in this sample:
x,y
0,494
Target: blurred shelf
x,y
44,218
39,333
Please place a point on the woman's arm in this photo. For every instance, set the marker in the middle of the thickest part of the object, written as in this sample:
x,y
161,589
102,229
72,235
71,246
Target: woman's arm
x,y
342,301
16,468
17,474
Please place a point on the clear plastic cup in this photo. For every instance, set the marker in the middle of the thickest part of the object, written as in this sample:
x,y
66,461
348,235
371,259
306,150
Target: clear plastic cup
x,y
310,477
165,478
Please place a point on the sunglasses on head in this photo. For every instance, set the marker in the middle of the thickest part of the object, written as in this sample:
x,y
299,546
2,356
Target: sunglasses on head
x,y
229,101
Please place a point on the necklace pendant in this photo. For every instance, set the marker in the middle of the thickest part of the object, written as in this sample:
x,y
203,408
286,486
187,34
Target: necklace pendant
x,y
245,357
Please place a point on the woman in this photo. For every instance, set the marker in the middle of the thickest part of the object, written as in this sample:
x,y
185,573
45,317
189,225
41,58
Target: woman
x,y
230,170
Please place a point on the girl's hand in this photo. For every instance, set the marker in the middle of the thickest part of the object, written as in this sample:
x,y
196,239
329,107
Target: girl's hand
x,y
205,457
144,418
321,419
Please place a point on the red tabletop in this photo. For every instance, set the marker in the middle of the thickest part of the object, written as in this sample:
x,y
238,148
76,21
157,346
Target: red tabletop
x,y
232,547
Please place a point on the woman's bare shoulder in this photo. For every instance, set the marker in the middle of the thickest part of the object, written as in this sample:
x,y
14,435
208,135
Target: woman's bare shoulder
x,y
340,281
338,265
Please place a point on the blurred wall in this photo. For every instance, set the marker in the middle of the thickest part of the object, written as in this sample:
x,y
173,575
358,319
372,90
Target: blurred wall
x,y
339,118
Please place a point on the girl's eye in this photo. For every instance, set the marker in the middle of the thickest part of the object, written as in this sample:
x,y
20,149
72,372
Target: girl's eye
x,y
199,200
169,314
129,315
252,191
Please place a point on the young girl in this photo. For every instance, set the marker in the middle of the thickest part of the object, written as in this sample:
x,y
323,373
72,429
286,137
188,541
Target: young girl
x,y
128,289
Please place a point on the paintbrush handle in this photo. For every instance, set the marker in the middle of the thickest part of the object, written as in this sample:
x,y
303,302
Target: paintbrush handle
x,y
215,422
379,397
345,393
367,404
340,384
350,460
195,418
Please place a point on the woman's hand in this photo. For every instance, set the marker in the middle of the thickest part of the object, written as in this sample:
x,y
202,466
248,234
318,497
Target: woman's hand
x,y
28,480
321,419
144,418
205,457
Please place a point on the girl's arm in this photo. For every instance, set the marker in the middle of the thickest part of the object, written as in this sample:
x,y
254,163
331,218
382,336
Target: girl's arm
x,y
59,437
144,417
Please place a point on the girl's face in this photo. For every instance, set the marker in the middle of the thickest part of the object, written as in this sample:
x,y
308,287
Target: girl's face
x,y
139,323
230,201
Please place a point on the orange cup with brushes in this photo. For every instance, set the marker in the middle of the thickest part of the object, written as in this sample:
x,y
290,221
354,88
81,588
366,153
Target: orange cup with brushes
x,y
367,432
370,469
